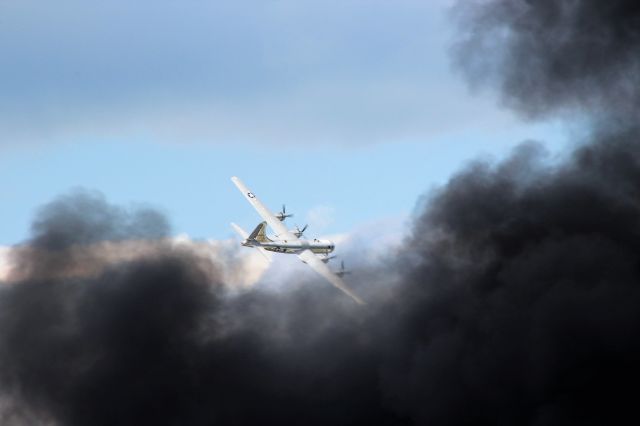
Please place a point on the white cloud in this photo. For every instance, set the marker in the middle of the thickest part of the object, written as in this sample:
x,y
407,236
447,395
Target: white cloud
x,y
320,217
239,269
363,249
370,244
4,262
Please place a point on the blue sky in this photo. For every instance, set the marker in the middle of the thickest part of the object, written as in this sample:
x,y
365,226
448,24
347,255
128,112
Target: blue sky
x,y
348,108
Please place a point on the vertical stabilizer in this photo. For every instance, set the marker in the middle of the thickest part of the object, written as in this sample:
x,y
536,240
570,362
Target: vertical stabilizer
x,y
246,237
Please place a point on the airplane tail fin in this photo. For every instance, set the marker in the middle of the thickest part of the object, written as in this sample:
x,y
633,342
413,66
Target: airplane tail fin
x,y
246,236
259,234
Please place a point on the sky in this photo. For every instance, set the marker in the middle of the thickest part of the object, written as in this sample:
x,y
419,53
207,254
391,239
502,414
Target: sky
x,y
346,113
500,278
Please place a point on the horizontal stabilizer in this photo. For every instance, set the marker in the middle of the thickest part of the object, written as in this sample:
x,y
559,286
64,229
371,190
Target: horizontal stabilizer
x,y
240,231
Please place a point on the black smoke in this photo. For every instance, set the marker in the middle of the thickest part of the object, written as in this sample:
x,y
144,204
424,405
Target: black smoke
x,y
156,339
515,300
552,55
516,303
524,305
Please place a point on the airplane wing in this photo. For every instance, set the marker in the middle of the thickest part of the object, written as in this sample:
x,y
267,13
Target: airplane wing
x,y
309,257
278,227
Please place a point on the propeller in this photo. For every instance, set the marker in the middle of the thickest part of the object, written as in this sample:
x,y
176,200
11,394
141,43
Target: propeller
x,y
299,232
342,272
282,215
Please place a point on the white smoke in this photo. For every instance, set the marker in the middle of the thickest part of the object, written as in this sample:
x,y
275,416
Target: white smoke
x,y
240,268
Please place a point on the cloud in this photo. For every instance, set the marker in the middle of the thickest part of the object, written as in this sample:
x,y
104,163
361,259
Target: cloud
x,y
80,236
514,300
252,72
4,263
320,216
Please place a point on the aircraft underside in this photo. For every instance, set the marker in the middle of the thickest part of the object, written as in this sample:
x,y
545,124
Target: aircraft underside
x,y
290,250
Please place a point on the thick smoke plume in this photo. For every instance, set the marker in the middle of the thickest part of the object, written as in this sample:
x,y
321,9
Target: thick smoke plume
x,y
516,304
551,55
515,301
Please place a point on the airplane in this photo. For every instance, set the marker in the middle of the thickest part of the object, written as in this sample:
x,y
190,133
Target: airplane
x,y
286,241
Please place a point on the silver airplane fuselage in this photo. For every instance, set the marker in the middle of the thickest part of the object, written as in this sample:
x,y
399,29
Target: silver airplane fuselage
x,y
294,247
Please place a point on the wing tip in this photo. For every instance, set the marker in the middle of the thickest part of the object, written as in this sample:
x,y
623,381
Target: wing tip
x,y
355,298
